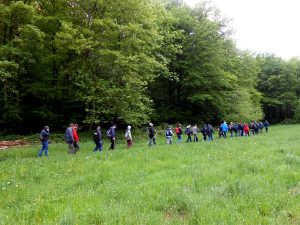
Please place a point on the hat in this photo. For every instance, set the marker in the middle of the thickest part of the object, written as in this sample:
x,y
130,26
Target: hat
x,y
150,124
128,127
46,127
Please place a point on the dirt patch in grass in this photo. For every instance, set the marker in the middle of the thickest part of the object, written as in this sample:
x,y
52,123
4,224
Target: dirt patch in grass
x,y
9,144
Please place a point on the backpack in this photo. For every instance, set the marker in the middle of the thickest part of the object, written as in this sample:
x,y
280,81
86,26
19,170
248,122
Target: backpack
x,y
177,130
95,136
108,134
168,133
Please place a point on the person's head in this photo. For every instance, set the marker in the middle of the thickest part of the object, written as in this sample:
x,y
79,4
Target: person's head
x,y
76,126
114,125
128,127
46,128
151,124
71,125
98,127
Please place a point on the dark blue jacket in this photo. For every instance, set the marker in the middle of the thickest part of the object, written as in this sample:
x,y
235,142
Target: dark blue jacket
x,y
69,135
44,135
112,132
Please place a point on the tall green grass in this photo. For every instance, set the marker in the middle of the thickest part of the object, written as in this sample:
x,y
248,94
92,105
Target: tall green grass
x,y
253,180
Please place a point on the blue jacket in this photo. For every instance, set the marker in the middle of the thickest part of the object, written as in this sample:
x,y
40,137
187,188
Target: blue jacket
x,y
69,135
44,135
112,132
224,127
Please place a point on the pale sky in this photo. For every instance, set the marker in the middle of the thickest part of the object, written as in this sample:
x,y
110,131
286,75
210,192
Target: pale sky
x,y
263,26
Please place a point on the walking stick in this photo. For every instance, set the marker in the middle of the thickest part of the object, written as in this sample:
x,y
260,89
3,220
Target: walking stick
x,y
151,139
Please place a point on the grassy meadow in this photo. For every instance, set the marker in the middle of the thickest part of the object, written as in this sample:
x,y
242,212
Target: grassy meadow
x,y
253,180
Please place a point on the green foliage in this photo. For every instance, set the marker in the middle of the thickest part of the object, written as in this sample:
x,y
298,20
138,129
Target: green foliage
x,y
279,84
131,61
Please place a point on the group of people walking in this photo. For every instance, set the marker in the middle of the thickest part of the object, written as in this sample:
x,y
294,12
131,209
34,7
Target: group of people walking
x,y
207,131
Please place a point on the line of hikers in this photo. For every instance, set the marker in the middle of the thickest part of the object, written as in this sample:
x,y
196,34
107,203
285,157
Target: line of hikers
x,y
235,129
207,131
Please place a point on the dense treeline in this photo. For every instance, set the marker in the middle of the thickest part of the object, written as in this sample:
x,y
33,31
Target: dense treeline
x,y
131,61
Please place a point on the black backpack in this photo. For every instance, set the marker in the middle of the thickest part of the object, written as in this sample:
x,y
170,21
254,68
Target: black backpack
x,y
95,136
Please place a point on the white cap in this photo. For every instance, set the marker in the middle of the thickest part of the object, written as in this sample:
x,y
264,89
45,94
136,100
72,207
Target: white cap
x,y
128,127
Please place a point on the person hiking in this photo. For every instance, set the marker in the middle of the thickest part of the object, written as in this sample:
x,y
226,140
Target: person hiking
x,y
111,134
128,136
230,127
204,131
246,130
97,138
70,139
195,131
266,125
178,132
236,129
210,132
256,128
188,132
251,127
224,128
44,136
220,131
169,134
151,134
241,129
76,138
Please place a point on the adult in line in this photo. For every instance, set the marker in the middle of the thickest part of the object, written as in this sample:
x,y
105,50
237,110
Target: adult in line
x,y
151,134
44,136
266,125
128,136
195,131
76,138
112,136
169,134
236,129
241,128
70,139
210,132
230,127
246,130
224,128
97,137
204,131
178,132
188,131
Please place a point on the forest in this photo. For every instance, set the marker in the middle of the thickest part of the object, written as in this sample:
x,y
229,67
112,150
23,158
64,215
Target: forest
x,y
131,62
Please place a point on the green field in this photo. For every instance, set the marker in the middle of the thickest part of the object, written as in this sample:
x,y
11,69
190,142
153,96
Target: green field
x,y
253,180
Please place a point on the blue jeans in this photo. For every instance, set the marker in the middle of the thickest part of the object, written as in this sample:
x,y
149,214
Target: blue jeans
x,y
44,149
179,138
210,137
98,147
224,133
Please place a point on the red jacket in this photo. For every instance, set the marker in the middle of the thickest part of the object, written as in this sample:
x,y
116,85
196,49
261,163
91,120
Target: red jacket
x,y
75,135
246,128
